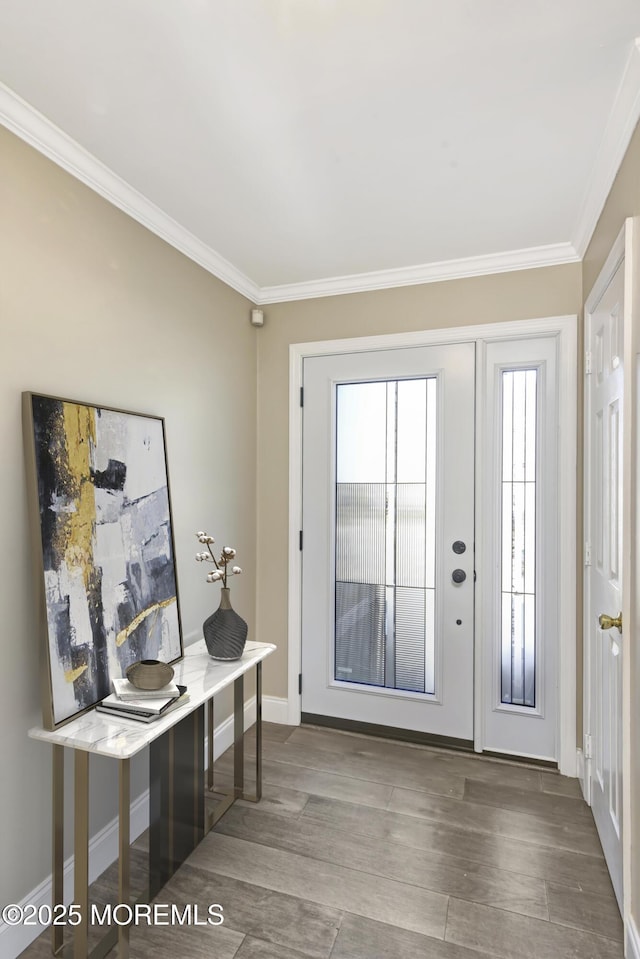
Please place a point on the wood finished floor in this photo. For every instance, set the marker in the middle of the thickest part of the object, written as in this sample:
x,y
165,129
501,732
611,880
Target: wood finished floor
x,y
366,849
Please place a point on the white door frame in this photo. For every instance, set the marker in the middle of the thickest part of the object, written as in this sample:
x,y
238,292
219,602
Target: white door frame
x,y
565,327
626,245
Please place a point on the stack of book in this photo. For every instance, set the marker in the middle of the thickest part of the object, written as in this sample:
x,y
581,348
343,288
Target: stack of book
x,y
142,705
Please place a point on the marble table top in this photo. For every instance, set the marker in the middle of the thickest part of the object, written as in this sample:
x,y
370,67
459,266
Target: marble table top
x,y
122,738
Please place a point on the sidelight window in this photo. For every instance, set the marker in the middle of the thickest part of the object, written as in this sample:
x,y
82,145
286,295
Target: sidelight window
x,y
518,552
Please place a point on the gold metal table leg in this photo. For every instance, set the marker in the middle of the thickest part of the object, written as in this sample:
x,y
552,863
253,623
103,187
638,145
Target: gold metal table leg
x,y
238,736
197,813
238,791
124,857
258,793
170,851
222,801
81,851
210,745
57,899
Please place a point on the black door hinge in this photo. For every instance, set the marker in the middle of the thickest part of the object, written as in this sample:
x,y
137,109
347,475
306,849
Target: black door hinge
x,y
300,539
300,684
302,396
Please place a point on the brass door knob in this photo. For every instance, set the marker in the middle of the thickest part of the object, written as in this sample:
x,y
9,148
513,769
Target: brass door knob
x,y
608,622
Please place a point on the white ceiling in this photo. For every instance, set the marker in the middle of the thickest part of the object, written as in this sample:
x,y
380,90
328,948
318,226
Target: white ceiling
x,y
284,142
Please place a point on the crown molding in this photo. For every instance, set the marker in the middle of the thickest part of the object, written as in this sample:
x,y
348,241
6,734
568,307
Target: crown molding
x,y
623,119
35,129
527,259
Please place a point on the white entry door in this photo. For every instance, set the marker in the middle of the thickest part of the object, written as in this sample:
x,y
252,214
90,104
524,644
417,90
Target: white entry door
x,y
388,521
604,340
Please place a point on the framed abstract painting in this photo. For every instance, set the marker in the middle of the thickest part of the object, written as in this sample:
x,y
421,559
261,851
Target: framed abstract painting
x,y
103,544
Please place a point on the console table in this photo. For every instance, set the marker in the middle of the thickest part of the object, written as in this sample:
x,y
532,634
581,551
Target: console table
x,y
178,816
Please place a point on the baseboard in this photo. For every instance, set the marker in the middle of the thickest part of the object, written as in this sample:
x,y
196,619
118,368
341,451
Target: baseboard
x,y
275,709
103,847
633,940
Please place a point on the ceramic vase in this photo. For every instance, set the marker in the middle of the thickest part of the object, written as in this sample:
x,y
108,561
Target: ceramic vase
x,y
225,632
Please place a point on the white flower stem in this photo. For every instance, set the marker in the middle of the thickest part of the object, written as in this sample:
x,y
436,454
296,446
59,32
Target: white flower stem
x,y
212,556
223,568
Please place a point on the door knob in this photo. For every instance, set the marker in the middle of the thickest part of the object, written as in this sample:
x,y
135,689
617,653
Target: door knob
x,y
458,576
608,622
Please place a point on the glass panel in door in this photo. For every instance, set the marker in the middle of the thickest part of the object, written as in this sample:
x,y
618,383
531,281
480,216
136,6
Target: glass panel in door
x,y
385,533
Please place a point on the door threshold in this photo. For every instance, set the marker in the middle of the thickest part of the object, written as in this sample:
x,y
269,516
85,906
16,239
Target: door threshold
x,y
521,760
388,732
414,738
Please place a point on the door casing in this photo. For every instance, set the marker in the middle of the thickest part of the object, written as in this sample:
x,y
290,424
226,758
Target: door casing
x,y
566,329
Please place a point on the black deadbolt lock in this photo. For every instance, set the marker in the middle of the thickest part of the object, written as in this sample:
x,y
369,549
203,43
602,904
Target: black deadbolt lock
x,y
458,576
459,546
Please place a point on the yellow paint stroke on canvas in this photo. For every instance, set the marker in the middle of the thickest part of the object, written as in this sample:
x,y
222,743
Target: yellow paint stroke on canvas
x,y
72,674
75,534
140,618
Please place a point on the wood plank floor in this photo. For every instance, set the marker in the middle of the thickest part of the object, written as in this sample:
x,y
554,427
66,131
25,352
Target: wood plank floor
x,y
366,849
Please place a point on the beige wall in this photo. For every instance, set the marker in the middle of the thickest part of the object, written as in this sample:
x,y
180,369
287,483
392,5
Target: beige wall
x,y
623,201
96,308
507,296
